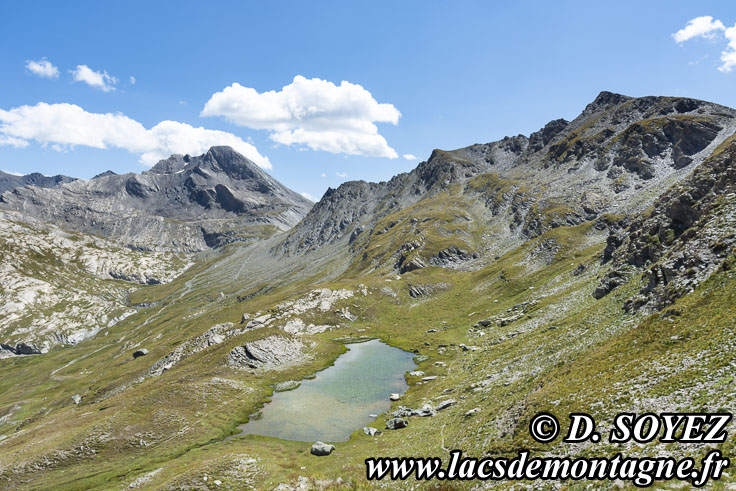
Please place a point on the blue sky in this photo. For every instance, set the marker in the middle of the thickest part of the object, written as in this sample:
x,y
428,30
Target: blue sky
x,y
457,73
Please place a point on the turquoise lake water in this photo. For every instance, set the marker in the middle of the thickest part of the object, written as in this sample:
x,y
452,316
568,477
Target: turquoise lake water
x,y
340,399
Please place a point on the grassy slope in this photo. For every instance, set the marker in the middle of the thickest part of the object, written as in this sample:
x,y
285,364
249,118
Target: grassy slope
x,y
568,352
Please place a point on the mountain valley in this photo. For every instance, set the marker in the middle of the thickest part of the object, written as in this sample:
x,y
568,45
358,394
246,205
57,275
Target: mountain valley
x,y
588,267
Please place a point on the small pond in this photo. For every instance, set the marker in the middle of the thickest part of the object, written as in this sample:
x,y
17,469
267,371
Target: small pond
x,y
340,399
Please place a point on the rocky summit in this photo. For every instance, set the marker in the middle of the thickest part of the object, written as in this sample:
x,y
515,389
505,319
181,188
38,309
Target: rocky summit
x,y
183,203
589,267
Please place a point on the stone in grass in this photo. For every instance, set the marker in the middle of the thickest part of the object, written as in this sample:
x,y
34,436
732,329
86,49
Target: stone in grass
x,y
424,412
370,431
321,449
395,396
445,404
76,398
396,423
140,352
472,412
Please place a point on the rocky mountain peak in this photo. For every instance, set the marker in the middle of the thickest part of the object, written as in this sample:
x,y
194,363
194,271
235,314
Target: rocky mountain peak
x,y
607,99
173,204
8,182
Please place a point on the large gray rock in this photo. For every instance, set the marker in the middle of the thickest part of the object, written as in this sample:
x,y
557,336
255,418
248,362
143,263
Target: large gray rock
x,y
396,423
321,449
271,353
445,404
370,431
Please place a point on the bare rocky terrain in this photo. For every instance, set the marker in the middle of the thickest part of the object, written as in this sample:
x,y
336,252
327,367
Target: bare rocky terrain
x,y
182,204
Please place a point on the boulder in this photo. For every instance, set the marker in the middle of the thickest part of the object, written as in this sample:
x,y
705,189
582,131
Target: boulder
x,y
370,431
76,398
321,449
424,412
140,352
396,423
395,397
402,412
445,404
412,265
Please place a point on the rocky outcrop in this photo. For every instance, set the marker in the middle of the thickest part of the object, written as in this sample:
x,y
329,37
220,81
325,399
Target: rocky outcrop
x,y
56,287
396,423
452,257
18,350
271,353
214,335
687,236
183,203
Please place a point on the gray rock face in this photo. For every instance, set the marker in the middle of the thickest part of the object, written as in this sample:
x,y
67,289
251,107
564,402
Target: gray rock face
x,y
321,449
182,203
214,335
8,182
18,349
370,431
451,257
445,404
271,353
396,423
687,236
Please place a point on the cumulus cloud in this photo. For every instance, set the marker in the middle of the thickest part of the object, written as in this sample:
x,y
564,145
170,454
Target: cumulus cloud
x,y
43,68
308,196
409,156
132,80
67,125
703,26
99,80
707,27
342,175
311,112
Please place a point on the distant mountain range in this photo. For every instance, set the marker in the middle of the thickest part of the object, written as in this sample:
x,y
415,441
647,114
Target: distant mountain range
x,y
8,182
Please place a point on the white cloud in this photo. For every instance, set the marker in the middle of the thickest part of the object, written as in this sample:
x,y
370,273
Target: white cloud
x,y
728,57
43,68
67,125
409,156
308,196
132,80
703,26
311,112
707,27
324,175
342,175
14,173
11,141
99,80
